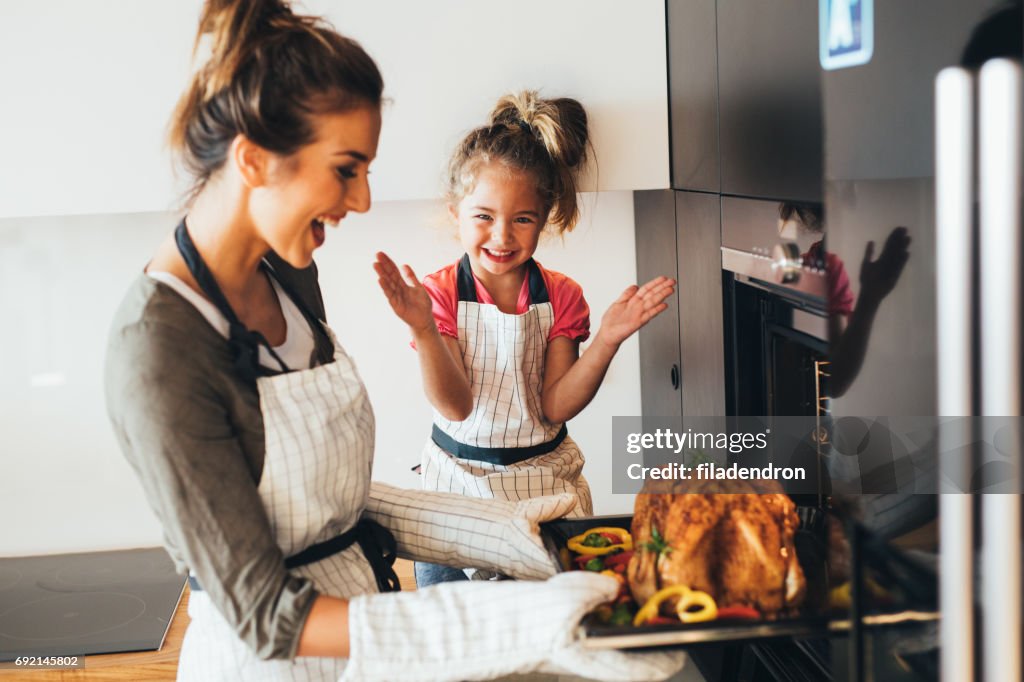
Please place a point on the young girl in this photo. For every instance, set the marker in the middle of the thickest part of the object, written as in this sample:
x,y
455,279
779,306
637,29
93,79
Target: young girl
x,y
498,335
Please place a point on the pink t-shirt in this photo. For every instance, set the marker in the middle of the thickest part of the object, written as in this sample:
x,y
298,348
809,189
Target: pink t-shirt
x,y
570,309
840,294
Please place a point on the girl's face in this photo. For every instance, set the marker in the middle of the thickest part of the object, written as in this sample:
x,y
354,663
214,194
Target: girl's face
x,y
499,221
317,185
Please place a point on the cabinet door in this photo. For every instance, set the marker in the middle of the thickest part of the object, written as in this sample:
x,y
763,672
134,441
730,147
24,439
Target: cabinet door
x,y
769,82
693,94
654,212
699,301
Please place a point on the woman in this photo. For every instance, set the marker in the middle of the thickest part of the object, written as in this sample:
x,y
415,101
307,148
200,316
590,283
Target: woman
x,y
251,431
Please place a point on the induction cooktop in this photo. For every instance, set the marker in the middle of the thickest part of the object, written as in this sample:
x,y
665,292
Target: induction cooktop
x,y
92,603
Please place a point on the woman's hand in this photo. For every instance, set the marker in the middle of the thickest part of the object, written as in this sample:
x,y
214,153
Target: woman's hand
x,y
407,297
635,308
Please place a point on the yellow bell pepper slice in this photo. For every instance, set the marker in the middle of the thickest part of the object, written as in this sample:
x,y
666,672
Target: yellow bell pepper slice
x,y
576,543
650,608
708,609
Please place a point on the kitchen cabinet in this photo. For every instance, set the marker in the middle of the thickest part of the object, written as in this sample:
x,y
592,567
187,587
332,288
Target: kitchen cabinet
x,y
769,83
693,94
660,358
745,97
681,351
698,249
86,135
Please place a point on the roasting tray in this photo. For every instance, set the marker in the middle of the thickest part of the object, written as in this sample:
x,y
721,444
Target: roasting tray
x,y
815,621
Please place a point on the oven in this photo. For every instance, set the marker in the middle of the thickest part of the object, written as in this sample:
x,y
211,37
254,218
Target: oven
x,y
776,320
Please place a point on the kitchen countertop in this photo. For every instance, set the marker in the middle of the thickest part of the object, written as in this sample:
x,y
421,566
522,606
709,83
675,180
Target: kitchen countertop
x,y
142,666
149,666
162,665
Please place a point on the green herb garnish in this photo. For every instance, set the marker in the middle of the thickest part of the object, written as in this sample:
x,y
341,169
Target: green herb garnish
x,y
657,544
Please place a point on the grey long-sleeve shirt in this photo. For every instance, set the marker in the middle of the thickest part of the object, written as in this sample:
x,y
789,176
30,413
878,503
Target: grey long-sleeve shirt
x,y
193,432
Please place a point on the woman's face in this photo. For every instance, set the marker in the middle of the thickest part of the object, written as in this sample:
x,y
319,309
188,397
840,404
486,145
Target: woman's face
x,y
318,185
499,221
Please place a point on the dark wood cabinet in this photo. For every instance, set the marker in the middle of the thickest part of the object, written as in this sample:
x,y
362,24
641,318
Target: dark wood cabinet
x,y
745,98
769,83
693,94
660,362
699,301
681,351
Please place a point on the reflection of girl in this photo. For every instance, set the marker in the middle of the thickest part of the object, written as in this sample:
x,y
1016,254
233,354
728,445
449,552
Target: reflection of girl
x,y
498,335
251,430
795,219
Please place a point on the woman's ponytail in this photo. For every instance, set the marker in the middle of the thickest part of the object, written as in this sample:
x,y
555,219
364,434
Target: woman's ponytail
x,y
266,70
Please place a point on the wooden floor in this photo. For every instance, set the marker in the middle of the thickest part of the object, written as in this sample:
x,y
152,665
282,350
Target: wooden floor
x,y
149,666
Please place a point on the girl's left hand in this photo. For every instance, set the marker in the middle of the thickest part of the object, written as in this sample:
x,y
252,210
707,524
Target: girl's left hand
x,y
635,308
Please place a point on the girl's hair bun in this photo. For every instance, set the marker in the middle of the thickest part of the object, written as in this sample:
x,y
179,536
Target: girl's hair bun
x,y
561,124
548,138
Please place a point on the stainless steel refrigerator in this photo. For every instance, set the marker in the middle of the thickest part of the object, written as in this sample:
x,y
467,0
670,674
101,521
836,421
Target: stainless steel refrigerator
x,y
922,182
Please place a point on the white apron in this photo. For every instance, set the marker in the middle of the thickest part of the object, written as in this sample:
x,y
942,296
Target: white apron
x,y
490,453
319,433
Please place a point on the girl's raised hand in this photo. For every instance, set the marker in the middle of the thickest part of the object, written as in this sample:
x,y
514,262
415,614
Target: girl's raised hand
x,y
407,297
635,308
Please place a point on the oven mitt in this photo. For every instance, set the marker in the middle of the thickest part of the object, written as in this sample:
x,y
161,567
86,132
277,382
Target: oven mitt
x,y
459,531
480,630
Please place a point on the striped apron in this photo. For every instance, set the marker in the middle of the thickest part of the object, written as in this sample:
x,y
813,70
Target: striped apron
x,y
504,449
319,438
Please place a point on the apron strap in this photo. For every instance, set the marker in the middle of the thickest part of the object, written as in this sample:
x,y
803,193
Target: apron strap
x,y
315,323
502,456
467,285
376,541
538,289
244,342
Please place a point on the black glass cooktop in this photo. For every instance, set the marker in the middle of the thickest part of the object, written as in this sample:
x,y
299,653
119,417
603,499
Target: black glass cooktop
x,y
80,604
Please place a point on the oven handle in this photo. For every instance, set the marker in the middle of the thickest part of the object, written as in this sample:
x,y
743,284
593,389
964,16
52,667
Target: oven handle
x,y
954,169
999,195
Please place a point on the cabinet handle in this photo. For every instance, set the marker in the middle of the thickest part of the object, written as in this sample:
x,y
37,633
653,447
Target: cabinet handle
x,y
675,377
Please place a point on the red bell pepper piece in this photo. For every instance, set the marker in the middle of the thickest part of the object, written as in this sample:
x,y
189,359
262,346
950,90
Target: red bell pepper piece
x,y
613,560
739,612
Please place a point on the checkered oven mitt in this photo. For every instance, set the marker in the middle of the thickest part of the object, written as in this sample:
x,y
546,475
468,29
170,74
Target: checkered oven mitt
x,y
481,630
459,531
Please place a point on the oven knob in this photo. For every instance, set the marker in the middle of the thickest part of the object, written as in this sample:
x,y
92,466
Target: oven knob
x,y
786,263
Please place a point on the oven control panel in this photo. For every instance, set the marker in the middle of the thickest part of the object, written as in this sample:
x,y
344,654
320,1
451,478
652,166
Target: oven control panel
x,y
780,244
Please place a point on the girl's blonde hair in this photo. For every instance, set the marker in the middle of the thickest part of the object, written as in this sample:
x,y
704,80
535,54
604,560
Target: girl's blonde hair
x,y
268,71
547,138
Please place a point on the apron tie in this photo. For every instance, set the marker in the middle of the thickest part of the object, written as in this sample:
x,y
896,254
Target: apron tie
x,y
376,542
502,456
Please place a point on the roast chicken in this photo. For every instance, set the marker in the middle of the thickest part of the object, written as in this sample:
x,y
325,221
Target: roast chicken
x,y
731,539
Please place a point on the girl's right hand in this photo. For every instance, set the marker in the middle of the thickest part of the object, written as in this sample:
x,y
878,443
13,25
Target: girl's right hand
x,y
407,297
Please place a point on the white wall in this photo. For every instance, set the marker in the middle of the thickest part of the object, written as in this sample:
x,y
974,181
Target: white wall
x,y
87,88
64,485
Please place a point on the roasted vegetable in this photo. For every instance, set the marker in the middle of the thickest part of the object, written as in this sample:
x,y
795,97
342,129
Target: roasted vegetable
x,y
739,613
596,542
650,609
696,607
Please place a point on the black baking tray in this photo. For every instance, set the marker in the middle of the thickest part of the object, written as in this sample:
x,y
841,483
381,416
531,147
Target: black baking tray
x,y
814,621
